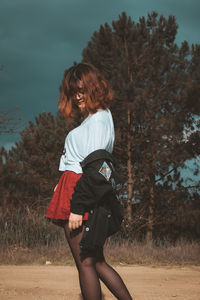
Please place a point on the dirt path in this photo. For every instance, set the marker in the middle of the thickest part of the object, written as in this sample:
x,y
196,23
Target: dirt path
x,y
61,283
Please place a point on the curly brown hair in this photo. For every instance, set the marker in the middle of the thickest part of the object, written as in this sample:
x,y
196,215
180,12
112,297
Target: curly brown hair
x,y
83,78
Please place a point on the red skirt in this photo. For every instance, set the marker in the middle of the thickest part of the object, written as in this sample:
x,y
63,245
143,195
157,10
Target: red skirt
x,y
59,206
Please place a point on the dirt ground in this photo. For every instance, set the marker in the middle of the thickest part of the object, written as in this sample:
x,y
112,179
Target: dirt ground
x,y
61,283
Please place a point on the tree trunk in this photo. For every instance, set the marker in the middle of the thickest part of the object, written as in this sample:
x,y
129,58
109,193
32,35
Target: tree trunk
x,y
149,232
151,204
129,156
129,171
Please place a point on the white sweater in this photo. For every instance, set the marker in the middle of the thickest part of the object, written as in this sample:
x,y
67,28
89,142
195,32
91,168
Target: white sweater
x,y
95,132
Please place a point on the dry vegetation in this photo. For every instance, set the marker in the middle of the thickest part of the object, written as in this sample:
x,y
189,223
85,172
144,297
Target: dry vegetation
x,y
27,238
123,253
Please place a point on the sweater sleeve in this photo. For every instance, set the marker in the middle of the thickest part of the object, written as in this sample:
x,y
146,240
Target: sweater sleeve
x,y
96,137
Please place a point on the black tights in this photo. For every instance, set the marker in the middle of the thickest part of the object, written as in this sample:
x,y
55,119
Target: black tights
x,y
91,268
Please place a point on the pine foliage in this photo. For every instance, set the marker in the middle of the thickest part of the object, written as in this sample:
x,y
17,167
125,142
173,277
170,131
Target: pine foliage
x,y
29,171
157,98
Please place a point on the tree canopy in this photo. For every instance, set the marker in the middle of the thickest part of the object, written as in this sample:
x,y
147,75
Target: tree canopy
x,y
157,97
29,171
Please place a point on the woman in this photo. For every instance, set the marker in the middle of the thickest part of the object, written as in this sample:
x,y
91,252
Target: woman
x,y
84,88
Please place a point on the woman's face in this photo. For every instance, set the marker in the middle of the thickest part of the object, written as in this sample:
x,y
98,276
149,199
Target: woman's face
x,y
80,101
79,98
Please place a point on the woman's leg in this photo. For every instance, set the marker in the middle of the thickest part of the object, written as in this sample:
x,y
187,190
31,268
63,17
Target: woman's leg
x,y
89,281
93,266
112,280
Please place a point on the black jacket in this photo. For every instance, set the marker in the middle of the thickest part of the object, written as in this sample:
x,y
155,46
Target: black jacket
x,y
97,192
99,183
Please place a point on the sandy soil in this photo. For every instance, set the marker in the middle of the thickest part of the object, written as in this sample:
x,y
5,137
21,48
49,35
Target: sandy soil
x,y
61,283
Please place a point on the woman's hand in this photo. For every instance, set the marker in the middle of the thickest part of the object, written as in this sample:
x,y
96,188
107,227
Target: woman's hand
x,y
75,221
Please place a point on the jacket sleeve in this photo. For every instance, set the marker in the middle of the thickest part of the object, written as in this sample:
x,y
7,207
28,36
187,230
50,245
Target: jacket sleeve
x,y
91,189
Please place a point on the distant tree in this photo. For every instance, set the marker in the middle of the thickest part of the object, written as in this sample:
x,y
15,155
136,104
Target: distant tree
x,y
179,215
156,85
29,171
9,122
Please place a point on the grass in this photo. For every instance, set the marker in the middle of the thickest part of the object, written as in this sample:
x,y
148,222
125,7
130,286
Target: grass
x,y
26,237
124,253
182,253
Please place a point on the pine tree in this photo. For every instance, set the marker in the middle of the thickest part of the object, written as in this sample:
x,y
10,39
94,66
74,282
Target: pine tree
x,y
29,171
155,81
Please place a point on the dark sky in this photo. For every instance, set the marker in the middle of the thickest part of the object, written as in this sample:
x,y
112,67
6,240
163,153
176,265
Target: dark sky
x,y
41,38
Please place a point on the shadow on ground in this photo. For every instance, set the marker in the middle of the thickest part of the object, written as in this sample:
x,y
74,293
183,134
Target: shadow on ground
x,y
81,298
